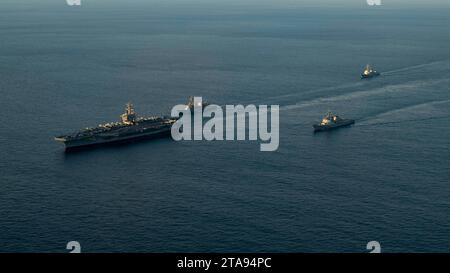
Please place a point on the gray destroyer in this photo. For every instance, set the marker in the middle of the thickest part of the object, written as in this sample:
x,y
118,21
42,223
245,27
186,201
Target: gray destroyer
x,y
331,121
130,128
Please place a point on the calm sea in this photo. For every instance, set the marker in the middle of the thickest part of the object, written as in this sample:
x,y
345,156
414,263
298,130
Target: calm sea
x,y
386,178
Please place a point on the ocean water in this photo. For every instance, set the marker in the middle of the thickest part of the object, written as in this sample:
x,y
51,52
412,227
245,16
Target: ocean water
x,y
386,178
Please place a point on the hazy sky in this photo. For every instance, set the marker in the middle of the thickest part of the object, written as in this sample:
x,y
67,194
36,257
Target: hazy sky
x,y
256,2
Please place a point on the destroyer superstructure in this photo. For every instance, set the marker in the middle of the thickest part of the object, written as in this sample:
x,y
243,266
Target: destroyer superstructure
x,y
129,128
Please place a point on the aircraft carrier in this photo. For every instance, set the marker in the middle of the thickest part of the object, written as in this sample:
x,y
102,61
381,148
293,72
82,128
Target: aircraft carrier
x,y
130,128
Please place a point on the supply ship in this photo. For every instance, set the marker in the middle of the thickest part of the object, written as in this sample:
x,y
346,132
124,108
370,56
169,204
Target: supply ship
x,y
130,128
331,121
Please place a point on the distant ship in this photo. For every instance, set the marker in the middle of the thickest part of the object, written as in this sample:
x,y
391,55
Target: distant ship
x,y
190,105
369,72
128,129
331,121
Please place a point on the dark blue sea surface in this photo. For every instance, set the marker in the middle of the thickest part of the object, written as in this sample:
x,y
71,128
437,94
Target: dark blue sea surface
x,y
386,179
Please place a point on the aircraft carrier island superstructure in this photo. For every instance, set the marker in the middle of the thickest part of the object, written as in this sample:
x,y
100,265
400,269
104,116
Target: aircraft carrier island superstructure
x,y
130,128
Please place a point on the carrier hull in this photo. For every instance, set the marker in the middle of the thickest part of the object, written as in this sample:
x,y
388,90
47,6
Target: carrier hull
x,y
75,145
